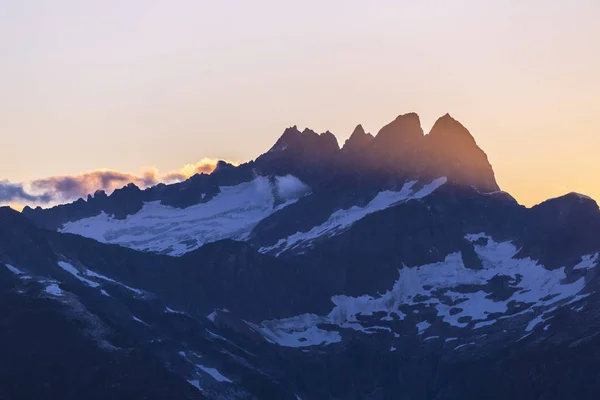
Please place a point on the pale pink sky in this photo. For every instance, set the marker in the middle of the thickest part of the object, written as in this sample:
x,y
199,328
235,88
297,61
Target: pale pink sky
x,y
130,84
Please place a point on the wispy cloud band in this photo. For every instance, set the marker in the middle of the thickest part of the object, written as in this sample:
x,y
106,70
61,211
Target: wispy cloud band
x,y
69,187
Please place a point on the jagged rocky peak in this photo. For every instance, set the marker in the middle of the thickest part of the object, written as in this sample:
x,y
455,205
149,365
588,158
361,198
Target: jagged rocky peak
x,y
394,150
404,130
451,150
98,195
449,130
358,140
329,141
307,141
358,131
223,165
130,188
289,138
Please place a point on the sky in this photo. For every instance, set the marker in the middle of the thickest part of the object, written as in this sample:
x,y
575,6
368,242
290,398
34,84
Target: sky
x,y
147,87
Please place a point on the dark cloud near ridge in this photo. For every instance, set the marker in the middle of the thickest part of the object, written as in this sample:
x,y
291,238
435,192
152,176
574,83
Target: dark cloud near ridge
x,y
70,187
57,189
16,193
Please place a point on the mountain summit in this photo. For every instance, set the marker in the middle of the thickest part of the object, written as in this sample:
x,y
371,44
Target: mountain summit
x,y
399,152
358,140
451,149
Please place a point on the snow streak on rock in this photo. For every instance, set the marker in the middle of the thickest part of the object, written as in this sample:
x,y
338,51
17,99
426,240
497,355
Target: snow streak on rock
x,y
341,220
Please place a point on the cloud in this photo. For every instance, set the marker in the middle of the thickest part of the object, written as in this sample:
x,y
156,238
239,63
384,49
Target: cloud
x,y
56,189
290,187
70,187
206,165
16,192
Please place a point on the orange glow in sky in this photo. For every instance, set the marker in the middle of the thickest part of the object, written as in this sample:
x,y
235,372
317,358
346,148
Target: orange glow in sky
x,y
120,85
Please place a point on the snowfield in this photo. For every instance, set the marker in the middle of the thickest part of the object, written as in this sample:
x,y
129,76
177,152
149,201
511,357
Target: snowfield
x,y
536,290
163,229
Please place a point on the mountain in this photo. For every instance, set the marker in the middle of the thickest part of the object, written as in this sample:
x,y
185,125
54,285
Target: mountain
x,y
393,267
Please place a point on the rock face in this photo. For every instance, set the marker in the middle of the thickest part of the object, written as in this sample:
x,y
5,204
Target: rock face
x,y
357,142
450,149
392,268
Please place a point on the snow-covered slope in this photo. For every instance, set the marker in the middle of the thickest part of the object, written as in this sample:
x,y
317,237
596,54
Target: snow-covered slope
x,y
231,215
341,220
448,295
164,229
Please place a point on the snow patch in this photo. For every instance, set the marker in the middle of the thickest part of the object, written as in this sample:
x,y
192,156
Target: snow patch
x,y
196,383
299,331
463,345
75,272
587,262
93,274
215,374
14,270
212,316
423,326
484,324
136,319
54,290
214,335
534,322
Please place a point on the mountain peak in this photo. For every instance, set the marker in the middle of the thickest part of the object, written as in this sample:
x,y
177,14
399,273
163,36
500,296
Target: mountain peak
x,y
358,140
402,132
452,151
290,137
306,141
448,128
223,165
359,130
329,141
405,125
569,200
100,194
394,149
309,132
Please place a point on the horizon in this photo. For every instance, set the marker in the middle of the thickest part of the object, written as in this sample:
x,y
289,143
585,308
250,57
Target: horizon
x,y
90,180
156,93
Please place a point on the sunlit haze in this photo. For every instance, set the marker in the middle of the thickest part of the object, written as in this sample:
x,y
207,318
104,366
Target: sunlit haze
x,y
139,84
